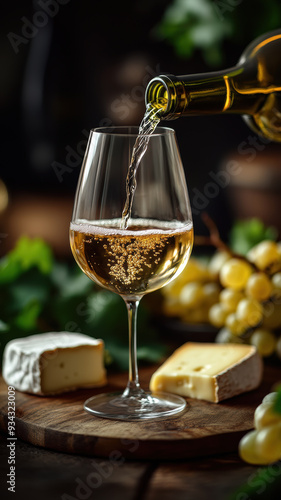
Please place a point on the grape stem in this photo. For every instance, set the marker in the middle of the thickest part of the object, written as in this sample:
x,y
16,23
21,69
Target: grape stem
x,y
215,240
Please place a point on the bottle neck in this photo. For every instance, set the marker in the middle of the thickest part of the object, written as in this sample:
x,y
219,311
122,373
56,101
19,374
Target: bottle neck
x,y
210,93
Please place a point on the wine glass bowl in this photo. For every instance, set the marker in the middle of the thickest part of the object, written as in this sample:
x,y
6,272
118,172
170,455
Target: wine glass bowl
x,y
137,259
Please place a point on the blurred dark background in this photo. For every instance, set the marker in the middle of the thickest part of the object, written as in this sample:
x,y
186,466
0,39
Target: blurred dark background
x,y
68,66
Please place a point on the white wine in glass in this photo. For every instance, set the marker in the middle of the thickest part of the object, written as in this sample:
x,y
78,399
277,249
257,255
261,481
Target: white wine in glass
x,y
131,261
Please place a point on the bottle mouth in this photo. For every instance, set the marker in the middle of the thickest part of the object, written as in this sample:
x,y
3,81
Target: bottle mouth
x,y
166,92
157,93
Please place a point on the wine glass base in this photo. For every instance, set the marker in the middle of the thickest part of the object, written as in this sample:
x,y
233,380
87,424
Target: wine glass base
x,y
146,406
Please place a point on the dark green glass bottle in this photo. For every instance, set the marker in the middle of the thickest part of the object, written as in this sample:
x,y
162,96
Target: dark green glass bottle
x,y
252,89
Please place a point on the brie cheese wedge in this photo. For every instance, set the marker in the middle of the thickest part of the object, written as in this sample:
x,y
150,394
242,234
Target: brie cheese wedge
x,y
52,363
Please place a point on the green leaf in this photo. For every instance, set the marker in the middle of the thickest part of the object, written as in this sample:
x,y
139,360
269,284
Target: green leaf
x,y
70,281
108,313
211,23
9,270
193,25
247,233
27,318
29,287
93,313
27,253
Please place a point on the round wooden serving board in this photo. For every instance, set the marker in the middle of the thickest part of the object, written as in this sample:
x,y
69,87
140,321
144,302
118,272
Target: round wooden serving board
x,y
60,423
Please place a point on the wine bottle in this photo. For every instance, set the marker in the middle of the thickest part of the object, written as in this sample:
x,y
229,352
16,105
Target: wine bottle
x,y
252,89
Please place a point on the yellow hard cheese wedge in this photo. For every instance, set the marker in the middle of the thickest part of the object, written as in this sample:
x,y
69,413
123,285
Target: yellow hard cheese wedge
x,y
212,372
52,363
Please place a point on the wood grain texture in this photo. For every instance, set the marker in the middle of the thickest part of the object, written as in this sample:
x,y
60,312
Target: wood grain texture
x,y
202,478
60,423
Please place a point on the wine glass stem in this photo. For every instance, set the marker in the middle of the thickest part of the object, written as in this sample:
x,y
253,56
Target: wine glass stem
x,y
133,386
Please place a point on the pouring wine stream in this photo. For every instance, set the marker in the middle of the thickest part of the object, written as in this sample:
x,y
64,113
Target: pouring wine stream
x,y
148,124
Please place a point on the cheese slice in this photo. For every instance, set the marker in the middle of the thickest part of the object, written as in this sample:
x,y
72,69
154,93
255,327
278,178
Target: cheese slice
x,y
52,363
212,372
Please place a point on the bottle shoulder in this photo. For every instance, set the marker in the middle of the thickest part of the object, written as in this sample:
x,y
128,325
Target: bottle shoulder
x,y
269,43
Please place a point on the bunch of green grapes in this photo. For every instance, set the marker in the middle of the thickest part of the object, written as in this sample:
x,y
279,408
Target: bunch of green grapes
x,y
249,306
194,292
262,446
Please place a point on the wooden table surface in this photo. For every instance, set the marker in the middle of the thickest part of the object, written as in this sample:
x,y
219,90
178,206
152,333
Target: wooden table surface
x,y
51,475
47,475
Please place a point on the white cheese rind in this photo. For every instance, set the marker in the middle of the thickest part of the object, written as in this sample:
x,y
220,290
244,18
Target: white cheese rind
x,y
212,372
52,363
242,377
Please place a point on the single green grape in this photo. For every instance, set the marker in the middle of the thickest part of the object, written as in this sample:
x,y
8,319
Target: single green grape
x,y
217,315
249,311
248,449
268,442
259,287
265,416
270,398
264,341
236,326
235,273
230,298
191,294
265,255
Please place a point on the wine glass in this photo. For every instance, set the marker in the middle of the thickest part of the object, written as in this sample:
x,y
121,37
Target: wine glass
x,y
146,255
